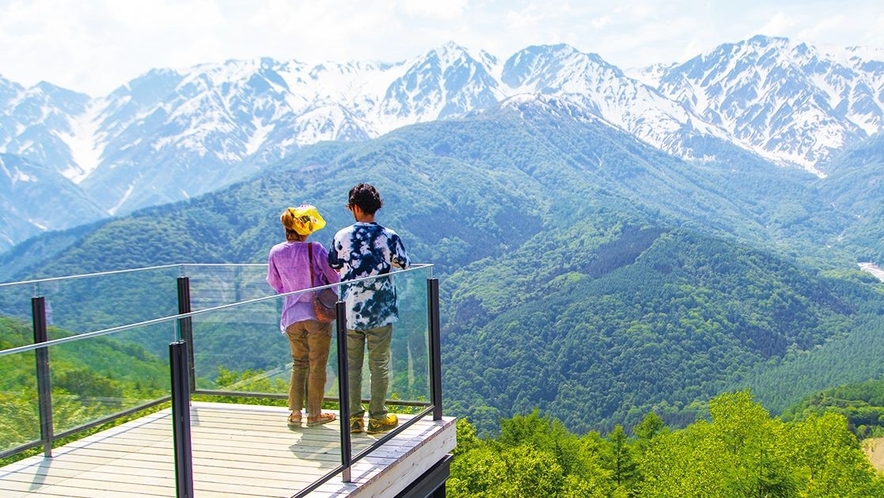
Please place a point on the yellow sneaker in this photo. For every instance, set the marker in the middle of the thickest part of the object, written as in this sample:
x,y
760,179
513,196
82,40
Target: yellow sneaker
x,y
357,425
382,424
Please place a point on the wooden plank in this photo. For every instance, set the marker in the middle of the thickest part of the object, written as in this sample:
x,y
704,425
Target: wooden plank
x,y
238,450
376,475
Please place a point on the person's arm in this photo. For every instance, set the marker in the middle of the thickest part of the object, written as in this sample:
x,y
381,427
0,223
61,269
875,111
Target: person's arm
x,y
331,276
273,277
398,255
334,259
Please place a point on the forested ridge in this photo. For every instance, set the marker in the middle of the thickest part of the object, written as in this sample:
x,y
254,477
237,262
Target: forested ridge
x,y
739,451
687,318
861,403
582,273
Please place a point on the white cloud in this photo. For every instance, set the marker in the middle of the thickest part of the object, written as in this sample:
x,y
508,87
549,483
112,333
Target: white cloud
x,y
600,22
96,45
433,9
528,17
778,25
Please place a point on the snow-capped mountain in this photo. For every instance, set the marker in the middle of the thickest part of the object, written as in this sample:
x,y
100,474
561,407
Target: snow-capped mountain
x,y
34,198
587,81
40,123
788,101
173,134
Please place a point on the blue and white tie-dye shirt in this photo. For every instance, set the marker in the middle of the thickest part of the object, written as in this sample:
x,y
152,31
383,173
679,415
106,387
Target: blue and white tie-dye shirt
x,y
365,250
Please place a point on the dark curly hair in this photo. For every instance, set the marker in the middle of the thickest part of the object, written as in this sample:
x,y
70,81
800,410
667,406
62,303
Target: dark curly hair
x,y
366,197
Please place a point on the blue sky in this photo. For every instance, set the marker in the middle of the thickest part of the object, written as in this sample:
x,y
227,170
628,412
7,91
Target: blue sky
x,y
93,46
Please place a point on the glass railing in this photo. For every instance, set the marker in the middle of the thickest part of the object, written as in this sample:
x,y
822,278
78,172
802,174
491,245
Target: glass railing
x,y
237,353
247,338
213,285
77,382
97,301
19,420
15,303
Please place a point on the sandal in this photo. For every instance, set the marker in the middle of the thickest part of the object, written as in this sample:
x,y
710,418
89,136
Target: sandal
x,y
295,419
322,418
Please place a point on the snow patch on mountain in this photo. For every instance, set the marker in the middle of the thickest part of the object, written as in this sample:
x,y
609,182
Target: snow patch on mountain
x,y
785,100
259,136
113,210
85,142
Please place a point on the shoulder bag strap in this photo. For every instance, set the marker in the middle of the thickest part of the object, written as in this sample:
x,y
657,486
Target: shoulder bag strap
x,y
310,256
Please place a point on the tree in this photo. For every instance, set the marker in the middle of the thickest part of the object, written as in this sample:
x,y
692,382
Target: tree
x,y
830,460
618,459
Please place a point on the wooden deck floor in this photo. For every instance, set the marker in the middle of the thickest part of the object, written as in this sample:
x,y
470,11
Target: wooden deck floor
x,y
238,450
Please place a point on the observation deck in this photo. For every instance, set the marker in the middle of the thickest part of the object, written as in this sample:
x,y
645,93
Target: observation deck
x,y
164,432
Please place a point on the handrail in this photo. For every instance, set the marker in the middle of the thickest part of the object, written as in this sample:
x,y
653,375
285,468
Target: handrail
x,y
154,321
126,270
146,268
86,275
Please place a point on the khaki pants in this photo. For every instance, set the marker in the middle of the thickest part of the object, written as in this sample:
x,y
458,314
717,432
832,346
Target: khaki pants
x,y
309,341
378,342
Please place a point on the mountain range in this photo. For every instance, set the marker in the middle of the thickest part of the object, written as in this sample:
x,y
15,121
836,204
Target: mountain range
x,y
171,135
582,271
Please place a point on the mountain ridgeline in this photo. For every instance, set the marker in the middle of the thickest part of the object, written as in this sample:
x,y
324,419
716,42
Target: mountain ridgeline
x,y
171,135
583,272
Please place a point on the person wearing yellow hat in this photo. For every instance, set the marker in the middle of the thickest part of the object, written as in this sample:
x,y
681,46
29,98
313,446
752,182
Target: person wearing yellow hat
x,y
294,265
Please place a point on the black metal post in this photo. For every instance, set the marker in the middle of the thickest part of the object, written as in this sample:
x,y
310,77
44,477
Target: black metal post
x,y
185,326
435,332
344,390
44,384
181,419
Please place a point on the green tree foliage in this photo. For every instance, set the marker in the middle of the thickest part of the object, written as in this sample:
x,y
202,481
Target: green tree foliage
x,y
862,404
619,460
534,456
829,458
740,451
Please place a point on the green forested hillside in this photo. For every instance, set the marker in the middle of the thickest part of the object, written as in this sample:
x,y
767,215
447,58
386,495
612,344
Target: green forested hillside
x,y
90,379
686,317
739,451
861,403
582,272
855,187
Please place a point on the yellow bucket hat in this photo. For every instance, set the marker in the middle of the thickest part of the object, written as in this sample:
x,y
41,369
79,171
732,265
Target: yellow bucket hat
x,y
304,219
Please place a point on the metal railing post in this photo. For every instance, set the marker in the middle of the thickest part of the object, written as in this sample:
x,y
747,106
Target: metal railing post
x,y
435,344
344,390
185,326
181,419
44,384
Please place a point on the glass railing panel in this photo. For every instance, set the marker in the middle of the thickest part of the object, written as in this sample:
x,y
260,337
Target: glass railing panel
x,y
101,376
101,301
237,348
235,342
93,379
409,390
220,284
242,358
19,420
15,304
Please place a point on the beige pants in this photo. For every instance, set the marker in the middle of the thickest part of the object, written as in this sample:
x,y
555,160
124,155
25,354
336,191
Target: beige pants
x,y
309,341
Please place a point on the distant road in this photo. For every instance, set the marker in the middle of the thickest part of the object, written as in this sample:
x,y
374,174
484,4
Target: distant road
x,y
873,269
